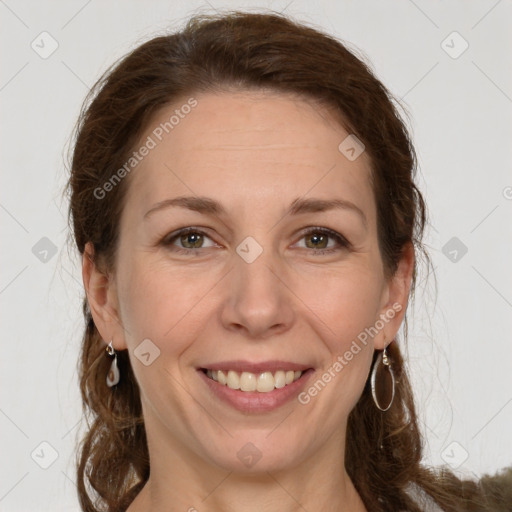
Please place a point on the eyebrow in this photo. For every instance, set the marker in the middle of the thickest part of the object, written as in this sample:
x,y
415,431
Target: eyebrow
x,y
299,206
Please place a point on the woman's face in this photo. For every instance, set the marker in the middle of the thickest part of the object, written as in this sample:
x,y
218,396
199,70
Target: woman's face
x,y
280,272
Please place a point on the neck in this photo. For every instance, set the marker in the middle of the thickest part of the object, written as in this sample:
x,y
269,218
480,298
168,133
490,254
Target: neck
x,y
231,493
182,481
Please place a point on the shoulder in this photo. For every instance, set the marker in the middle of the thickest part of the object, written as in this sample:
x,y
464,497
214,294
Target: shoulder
x,y
422,499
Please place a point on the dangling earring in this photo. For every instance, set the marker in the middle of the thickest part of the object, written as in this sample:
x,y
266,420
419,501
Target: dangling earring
x,y
386,380
113,374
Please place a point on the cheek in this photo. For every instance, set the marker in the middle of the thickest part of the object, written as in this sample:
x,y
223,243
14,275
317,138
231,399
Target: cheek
x,y
157,301
346,300
345,306
344,312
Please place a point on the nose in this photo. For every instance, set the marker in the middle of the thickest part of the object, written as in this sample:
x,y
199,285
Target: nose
x,y
258,303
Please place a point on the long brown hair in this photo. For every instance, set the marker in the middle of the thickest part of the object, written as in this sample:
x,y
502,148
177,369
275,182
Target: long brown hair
x,y
239,50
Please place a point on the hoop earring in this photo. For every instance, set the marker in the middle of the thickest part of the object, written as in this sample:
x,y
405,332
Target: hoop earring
x,y
386,379
113,374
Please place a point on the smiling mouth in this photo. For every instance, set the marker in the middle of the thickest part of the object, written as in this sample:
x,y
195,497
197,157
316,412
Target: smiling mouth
x,y
263,382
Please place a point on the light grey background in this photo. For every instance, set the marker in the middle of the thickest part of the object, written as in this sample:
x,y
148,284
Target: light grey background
x,y
460,347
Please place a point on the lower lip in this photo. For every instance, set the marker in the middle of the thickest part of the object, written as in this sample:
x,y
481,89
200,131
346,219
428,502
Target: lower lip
x,y
255,402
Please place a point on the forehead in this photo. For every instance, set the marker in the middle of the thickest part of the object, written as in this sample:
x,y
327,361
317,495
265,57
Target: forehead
x,y
247,144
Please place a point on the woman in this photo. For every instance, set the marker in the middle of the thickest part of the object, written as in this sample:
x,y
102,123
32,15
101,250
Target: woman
x,y
242,194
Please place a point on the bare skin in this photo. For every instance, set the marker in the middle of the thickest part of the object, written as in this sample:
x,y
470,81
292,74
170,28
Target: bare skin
x,y
254,153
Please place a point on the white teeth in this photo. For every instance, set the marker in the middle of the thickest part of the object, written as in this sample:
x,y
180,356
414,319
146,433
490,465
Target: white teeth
x,y
250,382
222,378
233,380
280,379
266,382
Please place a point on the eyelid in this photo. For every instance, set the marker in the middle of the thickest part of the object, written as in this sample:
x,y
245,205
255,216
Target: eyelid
x,y
341,241
171,237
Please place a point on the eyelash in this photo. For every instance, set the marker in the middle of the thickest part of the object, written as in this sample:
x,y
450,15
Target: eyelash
x,y
340,239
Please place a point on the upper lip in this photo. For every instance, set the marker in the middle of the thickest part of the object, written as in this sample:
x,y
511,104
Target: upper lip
x,y
251,367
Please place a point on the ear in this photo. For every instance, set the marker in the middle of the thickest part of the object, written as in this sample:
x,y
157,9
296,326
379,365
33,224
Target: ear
x,y
395,296
102,296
